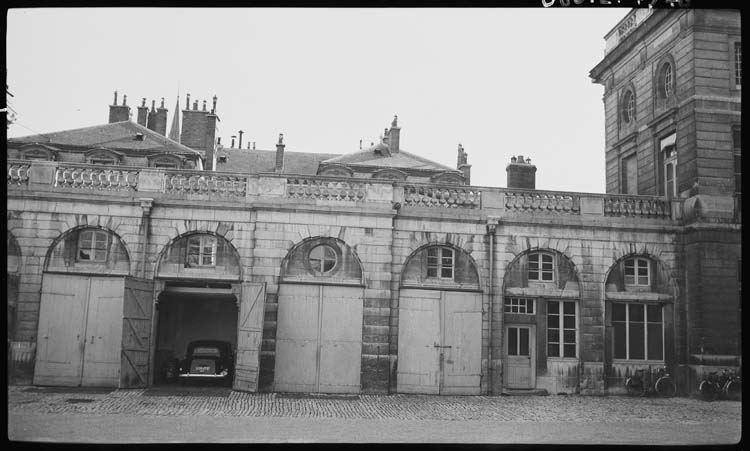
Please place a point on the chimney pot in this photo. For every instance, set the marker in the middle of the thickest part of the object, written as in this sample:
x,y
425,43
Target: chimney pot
x,y
213,110
204,105
218,141
124,99
280,154
513,159
153,106
187,101
521,160
195,105
115,102
253,145
162,102
143,103
233,138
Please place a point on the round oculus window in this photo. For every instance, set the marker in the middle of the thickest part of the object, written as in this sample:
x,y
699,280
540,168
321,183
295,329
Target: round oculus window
x,y
322,259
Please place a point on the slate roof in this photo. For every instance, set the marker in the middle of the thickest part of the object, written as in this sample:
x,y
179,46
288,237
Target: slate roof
x,y
400,160
254,161
115,136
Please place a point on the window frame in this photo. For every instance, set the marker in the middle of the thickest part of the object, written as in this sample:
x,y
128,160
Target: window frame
x,y
561,343
508,304
438,262
737,157
201,255
636,277
540,267
628,106
91,245
735,48
668,154
628,326
624,185
322,260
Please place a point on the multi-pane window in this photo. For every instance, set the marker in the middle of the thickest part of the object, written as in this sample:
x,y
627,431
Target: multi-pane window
x,y
630,175
666,80
92,246
738,63
201,251
322,259
628,104
561,329
638,331
519,305
518,341
440,262
637,272
669,156
737,147
541,267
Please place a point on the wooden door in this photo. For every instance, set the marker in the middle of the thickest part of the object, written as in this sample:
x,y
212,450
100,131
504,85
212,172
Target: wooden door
x,y
60,339
418,341
340,340
318,339
249,336
439,342
101,352
519,357
136,332
462,343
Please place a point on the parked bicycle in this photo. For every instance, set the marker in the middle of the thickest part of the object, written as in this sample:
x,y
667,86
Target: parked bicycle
x,y
638,385
728,385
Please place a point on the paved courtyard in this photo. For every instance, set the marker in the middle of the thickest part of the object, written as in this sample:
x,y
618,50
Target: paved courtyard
x,y
213,414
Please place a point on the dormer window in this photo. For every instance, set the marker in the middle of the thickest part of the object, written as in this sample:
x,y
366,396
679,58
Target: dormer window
x,y
162,161
38,153
103,157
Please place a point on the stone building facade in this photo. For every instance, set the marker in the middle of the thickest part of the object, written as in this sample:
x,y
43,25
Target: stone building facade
x,y
377,271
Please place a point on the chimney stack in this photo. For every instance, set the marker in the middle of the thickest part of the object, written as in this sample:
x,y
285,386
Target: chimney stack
x,y
521,173
143,113
200,130
160,125
394,136
280,154
119,113
463,165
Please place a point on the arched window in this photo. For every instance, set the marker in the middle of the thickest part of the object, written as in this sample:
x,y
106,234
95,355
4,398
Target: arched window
x,y
321,259
440,265
628,106
198,254
666,80
89,249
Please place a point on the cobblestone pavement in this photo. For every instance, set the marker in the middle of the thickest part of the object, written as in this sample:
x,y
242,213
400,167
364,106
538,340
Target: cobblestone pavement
x,y
576,411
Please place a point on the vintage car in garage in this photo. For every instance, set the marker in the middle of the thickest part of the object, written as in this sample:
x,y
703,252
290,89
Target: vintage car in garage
x,y
207,360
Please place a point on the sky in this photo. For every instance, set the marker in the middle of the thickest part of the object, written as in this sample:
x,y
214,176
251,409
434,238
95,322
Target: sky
x,y
499,81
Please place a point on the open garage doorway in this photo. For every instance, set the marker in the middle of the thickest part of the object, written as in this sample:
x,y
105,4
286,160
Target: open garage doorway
x,y
188,313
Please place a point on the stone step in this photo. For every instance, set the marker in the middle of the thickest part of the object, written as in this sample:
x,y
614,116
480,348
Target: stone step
x,y
524,392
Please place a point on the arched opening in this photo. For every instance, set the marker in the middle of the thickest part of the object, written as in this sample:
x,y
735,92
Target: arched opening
x,y
639,317
319,319
440,323
199,277
541,322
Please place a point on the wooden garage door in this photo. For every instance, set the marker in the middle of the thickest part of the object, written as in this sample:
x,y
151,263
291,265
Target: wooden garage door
x,y
318,339
439,342
80,331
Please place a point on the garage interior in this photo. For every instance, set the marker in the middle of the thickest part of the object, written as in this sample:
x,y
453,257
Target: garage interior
x,y
187,313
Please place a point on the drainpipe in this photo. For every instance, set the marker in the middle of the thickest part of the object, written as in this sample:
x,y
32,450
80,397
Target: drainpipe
x,y
146,204
491,227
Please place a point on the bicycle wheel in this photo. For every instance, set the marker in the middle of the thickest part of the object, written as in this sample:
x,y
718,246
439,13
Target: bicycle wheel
x,y
733,390
707,390
665,387
634,387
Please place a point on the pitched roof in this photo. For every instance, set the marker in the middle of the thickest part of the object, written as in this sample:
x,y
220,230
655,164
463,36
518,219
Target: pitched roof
x,y
256,161
115,136
370,157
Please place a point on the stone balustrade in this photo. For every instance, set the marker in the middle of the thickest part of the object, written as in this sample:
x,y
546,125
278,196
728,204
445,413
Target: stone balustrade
x,y
442,196
653,207
50,175
93,177
18,173
325,189
542,202
196,182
